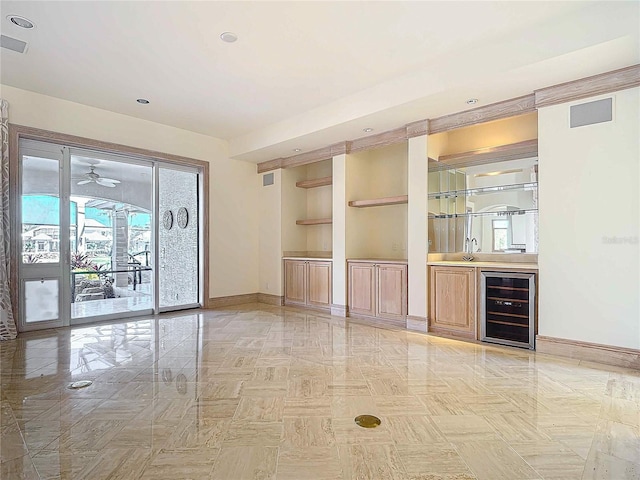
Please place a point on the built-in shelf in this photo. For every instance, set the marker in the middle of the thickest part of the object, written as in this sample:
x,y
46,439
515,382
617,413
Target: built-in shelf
x,y
316,221
316,182
378,202
485,190
502,213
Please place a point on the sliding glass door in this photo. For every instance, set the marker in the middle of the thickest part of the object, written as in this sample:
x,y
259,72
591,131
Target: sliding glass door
x,y
94,227
111,249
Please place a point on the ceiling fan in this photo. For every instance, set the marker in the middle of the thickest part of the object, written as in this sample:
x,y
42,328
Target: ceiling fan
x,y
93,177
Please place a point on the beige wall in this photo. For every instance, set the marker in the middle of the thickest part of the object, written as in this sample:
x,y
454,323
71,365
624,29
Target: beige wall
x,y
270,235
233,188
589,225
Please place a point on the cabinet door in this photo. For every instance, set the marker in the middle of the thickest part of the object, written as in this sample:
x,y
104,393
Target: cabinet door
x,y
362,293
319,284
295,281
392,291
453,301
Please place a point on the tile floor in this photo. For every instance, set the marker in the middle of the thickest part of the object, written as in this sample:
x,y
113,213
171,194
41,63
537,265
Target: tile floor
x,y
263,392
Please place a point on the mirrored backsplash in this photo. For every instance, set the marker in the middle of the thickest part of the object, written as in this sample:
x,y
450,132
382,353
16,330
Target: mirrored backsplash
x,y
491,208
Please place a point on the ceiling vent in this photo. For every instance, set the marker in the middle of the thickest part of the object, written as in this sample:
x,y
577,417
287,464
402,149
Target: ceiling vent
x,y
13,44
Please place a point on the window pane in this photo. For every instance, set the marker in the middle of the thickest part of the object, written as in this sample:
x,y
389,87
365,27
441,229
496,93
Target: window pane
x,y
40,210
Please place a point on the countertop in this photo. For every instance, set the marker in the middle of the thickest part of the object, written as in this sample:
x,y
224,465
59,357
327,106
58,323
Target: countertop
x,y
314,259
402,261
505,265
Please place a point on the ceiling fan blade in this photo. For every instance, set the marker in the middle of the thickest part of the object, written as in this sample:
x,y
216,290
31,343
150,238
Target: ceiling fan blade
x,y
104,183
110,180
84,182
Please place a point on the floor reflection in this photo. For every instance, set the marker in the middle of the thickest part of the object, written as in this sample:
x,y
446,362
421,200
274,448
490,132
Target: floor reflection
x,y
268,392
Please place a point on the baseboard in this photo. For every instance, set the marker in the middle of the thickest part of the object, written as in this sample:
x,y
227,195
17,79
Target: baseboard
x,y
269,299
220,302
590,352
339,311
417,324
380,321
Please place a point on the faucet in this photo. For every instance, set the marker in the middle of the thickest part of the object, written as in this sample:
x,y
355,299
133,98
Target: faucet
x,y
468,248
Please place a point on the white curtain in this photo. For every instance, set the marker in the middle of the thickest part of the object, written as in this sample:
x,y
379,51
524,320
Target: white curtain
x,y
7,323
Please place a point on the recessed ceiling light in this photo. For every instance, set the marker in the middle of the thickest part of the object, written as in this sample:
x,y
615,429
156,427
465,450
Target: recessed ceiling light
x,y
367,130
229,37
143,101
21,21
472,101
296,150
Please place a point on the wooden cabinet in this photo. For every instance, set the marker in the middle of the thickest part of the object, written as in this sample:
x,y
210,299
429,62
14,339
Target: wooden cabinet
x,y
452,301
307,283
378,290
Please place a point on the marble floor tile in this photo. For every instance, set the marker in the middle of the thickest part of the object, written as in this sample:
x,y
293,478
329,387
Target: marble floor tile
x,y
246,463
434,461
254,433
306,432
495,460
173,464
317,463
259,391
259,409
552,460
413,429
19,468
371,461
464,428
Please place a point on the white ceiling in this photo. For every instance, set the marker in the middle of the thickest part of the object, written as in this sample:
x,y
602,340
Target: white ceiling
x,y
306,74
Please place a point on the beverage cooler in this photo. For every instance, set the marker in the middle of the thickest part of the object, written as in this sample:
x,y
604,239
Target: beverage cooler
x,y
507,312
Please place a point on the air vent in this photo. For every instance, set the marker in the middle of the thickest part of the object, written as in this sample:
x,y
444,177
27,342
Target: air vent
x,y
267,179
13,44
592,112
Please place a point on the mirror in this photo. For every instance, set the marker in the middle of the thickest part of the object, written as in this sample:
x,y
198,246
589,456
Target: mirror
x,y
490,208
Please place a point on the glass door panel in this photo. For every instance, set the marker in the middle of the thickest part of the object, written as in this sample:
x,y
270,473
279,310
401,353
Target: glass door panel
x,y
43,237
111,203
178,239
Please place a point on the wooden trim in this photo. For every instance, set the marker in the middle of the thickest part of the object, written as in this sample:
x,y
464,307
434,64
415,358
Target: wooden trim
x,y
378,202
590,352
119,149
18,132
417,324
379,140
588,87
269,165
316,221
324,153
269,299
487,113
339,311
221,302
417,129
316,182
501,153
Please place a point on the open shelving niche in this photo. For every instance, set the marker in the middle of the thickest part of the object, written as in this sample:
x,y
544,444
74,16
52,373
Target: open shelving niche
x,y
377,178
307,223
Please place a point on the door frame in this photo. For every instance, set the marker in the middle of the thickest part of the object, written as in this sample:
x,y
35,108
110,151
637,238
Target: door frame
x,y
19,132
